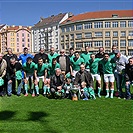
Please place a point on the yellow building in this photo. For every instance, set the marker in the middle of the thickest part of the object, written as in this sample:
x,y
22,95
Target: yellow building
x,y
99,29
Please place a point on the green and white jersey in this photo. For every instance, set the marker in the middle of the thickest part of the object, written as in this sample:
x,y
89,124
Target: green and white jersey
x,y
29,68
71,57
51,68
93,64
41,69
107,66
51,56
85,56
111,55
76,64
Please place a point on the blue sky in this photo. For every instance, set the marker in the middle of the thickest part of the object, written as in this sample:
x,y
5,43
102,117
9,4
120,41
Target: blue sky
x,y
28,12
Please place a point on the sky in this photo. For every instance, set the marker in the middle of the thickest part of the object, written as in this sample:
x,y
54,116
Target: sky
x,y
28,12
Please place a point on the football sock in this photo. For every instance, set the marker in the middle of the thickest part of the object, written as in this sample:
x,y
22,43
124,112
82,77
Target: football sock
x,y
37,89
107,90
26,88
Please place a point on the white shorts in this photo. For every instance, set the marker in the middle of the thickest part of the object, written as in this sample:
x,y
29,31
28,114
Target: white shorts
x,y
41,77
96,76
29,76
109,78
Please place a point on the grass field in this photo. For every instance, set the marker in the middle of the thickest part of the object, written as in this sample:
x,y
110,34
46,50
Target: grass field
x,y
42,115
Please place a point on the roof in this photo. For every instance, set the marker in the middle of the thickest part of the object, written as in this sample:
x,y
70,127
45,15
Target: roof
x,y
1,26
99,14
50,20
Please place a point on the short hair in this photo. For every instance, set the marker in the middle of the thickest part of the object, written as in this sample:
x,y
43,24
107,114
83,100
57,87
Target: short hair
x,y
40,58
57,69
9,49
71,48
105,54
29,58
131,58
53,59
25,48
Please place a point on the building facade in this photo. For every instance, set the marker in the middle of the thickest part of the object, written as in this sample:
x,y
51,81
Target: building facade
x,y
99,29
46,32
15,37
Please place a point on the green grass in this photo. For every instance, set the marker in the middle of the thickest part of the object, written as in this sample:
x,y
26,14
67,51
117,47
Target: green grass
x,y
42,115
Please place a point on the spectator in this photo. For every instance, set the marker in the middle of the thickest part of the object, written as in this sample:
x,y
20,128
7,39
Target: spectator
x,y
100,53
129,77
119,73
42,55
3,66
57,84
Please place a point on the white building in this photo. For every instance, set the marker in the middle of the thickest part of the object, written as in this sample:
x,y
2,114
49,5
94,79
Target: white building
x,y
46,32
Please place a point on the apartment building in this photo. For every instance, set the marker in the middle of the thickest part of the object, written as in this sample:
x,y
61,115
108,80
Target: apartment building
x,y
99,29
46,32
15,37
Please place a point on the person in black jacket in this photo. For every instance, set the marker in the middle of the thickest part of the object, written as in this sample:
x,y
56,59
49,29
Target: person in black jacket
x,y
7,57
57,83
42,55
14,73
129,77
83,76
64,61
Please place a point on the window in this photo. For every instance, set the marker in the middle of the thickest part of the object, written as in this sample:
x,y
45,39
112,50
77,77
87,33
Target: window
x,y
22,39
123,33
79,45
67,37
56,34
28,45
23,45
22,34
107,24
130,52
130,23
98,43
17,39
67,46
28,40
79,27
107,34
115,42
17,44
98,34
88,35
130,43
17,50
107,43
79,36
88,44
62,38
56,40
63,29
115,33
72,44
67,29
130,33
17,34
62,46
87,25
72,36
123,52
114,24
28,35
122,23
72,28
57,46
122,43
98,24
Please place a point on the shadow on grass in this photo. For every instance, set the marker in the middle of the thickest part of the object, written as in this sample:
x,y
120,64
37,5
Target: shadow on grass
x,y
37,116
40,117
6,115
